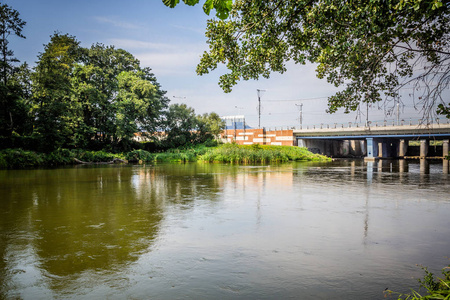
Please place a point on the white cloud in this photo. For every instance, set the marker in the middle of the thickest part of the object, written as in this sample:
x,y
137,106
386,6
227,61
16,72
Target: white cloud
x,y
170,64
141,45
117,23
163,58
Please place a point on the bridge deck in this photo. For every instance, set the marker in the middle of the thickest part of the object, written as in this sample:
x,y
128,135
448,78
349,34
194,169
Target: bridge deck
x,y
406,131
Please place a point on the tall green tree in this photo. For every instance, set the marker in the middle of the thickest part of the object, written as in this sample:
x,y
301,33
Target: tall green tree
x,y
117,96
57,115
95,86
372,49
12,106
10,23
180,125
209,126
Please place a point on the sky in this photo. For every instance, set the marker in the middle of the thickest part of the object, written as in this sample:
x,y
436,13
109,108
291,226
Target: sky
x,y
171,42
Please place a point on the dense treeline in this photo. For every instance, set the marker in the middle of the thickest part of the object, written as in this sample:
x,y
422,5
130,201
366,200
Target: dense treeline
x,y
88,98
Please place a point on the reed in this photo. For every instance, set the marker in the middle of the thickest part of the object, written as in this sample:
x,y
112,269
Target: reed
x,y
233,153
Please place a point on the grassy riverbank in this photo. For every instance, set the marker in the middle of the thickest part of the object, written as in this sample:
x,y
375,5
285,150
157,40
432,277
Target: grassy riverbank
x,y
229,153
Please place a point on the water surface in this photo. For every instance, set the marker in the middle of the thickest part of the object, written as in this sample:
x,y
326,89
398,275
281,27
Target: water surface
x,y
341,230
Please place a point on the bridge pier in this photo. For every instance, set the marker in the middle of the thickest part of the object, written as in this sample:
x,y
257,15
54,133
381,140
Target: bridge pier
x,y
380,149
423,148
369,157
445,162
445,148
402,148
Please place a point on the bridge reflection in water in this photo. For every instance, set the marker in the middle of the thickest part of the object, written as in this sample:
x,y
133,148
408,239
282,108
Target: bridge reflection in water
x,y
404,166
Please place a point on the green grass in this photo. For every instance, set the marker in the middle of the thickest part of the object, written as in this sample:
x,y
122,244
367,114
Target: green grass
x,y
229,153
435,288
232,153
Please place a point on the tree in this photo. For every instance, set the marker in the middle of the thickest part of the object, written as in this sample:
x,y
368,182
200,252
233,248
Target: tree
x,y
209,126
222,7
95,85
117,96
10,23
371,48
11,104
180,125
57,116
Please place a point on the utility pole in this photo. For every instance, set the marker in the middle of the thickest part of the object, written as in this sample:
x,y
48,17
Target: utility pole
x,y
301,114
367,114
259,106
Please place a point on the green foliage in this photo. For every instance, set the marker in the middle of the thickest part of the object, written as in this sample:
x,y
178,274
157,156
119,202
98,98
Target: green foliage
x,y
232,153
209,127
370,48
222,7
13,106
180,126
93,98
139,155
20,159
10,23
436,288
56,113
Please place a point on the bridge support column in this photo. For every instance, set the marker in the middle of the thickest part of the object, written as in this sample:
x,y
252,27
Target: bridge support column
x,y
423,148
445,148
355,148
380,149
369,152
445,162
402,148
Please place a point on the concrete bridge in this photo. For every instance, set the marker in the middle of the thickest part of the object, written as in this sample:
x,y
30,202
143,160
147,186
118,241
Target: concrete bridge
x,y
379,141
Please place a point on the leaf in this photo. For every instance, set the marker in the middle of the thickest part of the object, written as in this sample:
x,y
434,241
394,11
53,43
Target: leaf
x,y
191,2
209,4
171,3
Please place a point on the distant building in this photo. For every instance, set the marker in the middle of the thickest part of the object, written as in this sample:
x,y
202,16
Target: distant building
x,y
235,122
237,131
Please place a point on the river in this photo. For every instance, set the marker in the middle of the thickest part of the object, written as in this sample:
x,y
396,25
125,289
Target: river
x,y
339,230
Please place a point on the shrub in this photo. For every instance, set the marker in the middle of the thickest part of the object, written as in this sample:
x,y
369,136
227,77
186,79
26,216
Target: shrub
x,y
19,159
137,155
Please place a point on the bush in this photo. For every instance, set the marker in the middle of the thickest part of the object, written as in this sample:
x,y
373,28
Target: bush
x,y
59,157
20,159
137,155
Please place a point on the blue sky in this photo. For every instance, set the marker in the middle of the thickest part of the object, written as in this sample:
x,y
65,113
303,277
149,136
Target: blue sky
x,y
170,42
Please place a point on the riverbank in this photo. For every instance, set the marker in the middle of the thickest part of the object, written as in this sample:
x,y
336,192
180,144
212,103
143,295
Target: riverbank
x,y
228,153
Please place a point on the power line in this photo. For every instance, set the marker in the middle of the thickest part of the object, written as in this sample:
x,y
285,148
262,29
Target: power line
x,y
295,100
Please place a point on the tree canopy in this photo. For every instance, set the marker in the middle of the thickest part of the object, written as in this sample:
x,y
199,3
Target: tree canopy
x,y
372,49
222,7
89,98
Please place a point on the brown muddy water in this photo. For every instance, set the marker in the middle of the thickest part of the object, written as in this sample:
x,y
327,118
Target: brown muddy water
x,y
340,230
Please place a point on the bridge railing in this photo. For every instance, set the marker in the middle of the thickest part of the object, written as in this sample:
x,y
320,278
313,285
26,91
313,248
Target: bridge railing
x,y
377,123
